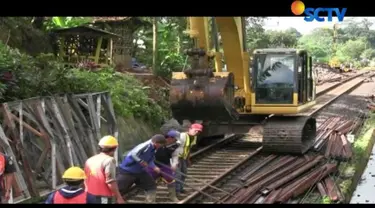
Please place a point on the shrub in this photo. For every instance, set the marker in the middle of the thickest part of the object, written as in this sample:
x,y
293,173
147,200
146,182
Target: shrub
x,y
43,76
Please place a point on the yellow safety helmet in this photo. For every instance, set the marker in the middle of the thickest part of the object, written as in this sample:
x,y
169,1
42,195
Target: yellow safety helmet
x,y
74,173
108,142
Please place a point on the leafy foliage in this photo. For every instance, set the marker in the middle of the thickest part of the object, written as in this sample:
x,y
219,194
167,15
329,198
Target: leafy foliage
x,y
318,43
66,22
326,200
355,43
23,76
171,44
45,76
21,33
129,96
258,37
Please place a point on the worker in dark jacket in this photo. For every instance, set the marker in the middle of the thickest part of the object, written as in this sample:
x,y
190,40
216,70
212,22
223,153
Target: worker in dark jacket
x,y
133,167
74,192
7,176
166,159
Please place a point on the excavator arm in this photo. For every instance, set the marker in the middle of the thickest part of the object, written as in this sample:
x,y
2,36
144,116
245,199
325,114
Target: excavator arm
x,y
227,102
201,93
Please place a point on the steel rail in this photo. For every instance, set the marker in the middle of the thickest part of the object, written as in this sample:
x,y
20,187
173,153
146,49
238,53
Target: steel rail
x,y
355,84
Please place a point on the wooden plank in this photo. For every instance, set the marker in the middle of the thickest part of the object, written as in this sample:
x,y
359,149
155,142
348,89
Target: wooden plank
x,y
93,120
108,107
64,130
45,132
60,122
67,117
87,128
29,175
8,151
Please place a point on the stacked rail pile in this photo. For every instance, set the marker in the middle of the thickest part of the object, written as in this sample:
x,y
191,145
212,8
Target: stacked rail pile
x,y
326,74
331,139
371,104
277,179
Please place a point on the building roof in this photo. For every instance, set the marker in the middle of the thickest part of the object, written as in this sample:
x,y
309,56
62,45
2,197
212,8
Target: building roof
x,y
85,30
137,20
111,19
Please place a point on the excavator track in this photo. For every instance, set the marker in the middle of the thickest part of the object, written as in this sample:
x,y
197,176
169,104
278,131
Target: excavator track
x,y
289,134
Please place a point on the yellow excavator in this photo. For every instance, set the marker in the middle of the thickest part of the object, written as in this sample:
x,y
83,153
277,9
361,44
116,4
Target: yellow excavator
x,y
335,63
279,89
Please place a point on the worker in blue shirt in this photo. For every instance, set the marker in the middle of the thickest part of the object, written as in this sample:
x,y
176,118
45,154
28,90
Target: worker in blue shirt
x,y
133,168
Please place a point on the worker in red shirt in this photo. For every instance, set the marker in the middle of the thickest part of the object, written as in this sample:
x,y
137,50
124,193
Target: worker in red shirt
x,y
100,170
7,171
74,192
188,140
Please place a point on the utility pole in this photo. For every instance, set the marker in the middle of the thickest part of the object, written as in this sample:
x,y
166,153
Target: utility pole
x,y
154,44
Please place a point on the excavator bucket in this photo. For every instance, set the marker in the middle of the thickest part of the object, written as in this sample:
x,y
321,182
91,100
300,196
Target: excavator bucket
x,y
201,94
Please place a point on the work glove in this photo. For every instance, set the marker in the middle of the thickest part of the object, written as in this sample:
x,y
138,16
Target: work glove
x,y
143,163
157,170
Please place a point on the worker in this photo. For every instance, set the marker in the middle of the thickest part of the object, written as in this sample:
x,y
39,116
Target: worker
x,y
74,192
100,170
166,159
188,140
7,176
133,167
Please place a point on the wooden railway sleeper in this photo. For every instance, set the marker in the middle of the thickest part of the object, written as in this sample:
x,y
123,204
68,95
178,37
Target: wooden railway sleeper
x,y
194,188
200,181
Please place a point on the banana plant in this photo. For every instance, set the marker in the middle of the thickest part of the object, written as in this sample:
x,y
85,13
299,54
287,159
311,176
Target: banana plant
x,y
66,22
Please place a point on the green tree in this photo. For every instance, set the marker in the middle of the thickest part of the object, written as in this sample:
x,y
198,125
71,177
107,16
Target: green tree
x,y
354,29
318,43
171,44
351,50
256,36
368,53
286,39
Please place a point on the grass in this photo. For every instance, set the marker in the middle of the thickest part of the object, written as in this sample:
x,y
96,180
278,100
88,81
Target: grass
x,y
351,172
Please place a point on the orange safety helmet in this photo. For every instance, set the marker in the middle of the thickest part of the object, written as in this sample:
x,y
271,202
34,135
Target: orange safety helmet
x,y
108,142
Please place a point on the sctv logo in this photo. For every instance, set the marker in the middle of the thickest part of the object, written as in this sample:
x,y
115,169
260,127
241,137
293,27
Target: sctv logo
x,y
311,14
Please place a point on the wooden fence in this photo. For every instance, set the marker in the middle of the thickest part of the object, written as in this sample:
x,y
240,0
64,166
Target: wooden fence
x,y
46,135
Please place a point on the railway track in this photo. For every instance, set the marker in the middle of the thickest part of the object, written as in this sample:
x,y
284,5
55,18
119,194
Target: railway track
x,y
208,164
220,163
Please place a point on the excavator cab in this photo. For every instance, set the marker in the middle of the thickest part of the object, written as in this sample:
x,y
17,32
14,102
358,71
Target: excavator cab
x,y
283,81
